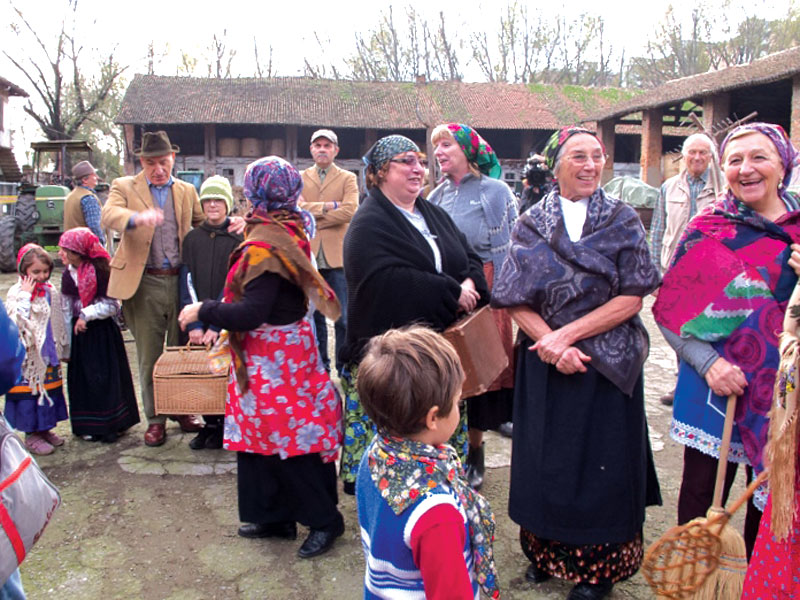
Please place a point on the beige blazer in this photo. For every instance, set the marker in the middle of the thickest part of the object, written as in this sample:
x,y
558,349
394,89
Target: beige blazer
x,y
339,186
130,195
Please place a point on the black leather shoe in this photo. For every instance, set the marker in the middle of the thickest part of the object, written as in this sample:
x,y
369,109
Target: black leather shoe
x,y
536,575
198,442
590,591
284,531
214,439
319,542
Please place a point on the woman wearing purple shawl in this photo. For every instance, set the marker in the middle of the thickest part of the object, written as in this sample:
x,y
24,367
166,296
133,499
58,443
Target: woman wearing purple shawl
x,y
723,322
582,470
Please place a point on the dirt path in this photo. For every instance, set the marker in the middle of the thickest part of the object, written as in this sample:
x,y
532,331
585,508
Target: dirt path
x,y
158,523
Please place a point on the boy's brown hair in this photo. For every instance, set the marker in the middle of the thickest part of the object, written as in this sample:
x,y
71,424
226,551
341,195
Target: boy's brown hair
x,y
35,252
404,373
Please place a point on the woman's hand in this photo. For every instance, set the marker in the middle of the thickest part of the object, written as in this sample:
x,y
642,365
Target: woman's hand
x,y
725,378
794,259
237,225
189,314
469,297
196,336
552,345
209,337
572,360
27,283
80,325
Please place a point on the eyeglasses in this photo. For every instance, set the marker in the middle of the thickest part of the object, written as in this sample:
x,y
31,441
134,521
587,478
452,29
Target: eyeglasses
x,y
581,158
408,161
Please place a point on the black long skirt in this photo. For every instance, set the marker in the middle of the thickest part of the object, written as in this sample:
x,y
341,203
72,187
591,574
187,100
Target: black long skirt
x,y
99,384
582,470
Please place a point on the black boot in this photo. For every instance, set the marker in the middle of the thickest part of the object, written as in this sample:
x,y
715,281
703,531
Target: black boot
x,y
214,439
475,467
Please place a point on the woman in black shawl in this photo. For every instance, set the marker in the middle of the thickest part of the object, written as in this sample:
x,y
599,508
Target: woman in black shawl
x,y
582,471
405,262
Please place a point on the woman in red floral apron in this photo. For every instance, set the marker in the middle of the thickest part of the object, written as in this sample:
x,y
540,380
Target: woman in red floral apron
x,y
283,416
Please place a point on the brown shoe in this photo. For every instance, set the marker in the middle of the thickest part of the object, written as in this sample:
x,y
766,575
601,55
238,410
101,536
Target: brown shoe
x,y
189,423
668,399
155,435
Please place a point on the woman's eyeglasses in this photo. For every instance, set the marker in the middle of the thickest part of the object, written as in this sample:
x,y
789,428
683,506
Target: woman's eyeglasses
x,y
408,161
581,158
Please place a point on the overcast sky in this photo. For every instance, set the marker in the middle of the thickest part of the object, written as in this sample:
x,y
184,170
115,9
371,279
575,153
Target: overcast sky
x,y
289,27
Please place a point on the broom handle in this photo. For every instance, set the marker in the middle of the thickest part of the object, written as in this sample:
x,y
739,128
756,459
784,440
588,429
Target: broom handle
x,y
722,465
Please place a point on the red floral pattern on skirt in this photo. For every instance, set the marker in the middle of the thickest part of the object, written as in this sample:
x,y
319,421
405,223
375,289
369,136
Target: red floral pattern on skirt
x,y
291,408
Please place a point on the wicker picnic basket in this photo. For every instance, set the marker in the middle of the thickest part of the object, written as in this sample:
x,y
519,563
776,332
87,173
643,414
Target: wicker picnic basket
x,y
183,383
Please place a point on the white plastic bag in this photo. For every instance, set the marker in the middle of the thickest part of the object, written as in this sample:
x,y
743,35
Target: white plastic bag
x,y
27,501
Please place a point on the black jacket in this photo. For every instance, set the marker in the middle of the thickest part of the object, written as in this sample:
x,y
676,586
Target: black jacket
x,y
391,274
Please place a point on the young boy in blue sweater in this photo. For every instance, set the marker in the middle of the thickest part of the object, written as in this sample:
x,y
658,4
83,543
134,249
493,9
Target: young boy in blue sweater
x,y
424,530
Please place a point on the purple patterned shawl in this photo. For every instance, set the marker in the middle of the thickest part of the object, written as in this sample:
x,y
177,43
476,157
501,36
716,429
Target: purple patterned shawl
x,y
562,280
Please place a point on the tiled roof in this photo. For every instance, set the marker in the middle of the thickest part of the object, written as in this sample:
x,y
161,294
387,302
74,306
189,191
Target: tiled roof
x,y
152,99
764,70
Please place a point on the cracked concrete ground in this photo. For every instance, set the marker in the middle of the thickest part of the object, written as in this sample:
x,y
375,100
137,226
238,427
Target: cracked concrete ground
x,y
160,523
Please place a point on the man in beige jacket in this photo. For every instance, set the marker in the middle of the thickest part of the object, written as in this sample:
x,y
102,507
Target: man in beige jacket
x,y
331,195
154,212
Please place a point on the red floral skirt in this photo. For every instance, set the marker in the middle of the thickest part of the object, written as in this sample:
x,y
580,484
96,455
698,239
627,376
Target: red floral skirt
x,y
291,407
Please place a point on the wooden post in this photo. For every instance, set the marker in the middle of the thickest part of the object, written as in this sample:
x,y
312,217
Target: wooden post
x,y
794,118
129,164
716,110
291,143
210,135
526,143
651,146
605,132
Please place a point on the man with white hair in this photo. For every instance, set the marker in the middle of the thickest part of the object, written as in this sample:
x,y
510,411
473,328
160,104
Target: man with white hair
x,y
682,196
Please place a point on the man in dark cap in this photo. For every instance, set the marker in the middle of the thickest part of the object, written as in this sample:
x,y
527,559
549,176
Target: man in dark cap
x,y
82,207
154,212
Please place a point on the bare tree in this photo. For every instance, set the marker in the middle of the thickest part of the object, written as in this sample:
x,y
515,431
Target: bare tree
x,y
398,51
267,70
221,56
68,89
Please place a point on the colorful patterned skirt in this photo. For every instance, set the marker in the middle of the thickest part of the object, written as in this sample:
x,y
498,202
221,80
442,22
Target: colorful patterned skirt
x,y
25,413
590,563
359,428
291,407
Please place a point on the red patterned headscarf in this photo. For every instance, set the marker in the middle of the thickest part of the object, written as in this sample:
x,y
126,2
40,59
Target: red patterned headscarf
x,y
38,288
82,241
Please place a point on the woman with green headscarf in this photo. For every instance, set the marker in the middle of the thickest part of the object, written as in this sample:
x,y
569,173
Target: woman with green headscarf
x,y
485,210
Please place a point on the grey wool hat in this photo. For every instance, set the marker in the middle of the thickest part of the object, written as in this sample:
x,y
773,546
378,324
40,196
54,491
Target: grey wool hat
x,y
82,169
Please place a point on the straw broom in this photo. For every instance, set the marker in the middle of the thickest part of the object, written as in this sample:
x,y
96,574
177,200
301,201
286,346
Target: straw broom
x,y
727,580
704,559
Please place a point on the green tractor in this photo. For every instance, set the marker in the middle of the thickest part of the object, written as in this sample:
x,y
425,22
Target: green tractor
x,y
34,211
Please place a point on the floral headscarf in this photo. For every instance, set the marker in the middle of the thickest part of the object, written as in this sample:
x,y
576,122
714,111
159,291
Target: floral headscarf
x,y
559,138
38,288
777,136
272,184
476,149
387,147
404,470
82,241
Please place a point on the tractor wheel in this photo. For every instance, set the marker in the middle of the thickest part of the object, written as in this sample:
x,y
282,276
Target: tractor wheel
x,y
8,258
25,212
